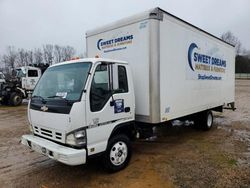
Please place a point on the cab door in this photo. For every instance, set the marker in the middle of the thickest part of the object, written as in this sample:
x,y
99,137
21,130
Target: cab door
x,y
109,102
32,77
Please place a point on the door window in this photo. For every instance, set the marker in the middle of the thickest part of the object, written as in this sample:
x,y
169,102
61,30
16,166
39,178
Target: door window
x,y
122,79
32,73
100,91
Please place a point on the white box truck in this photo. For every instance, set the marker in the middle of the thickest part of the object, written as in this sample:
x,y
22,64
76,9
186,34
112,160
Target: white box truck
x,y
154,68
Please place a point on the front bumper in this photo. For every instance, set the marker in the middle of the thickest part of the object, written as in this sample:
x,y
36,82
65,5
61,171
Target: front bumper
x,y
55,151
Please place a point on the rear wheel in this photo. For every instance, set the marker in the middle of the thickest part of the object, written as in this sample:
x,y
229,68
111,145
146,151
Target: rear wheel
x,y
204,120
15,99
207,122
118,153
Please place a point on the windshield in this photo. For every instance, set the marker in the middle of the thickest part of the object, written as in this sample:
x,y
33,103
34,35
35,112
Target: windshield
x,y
63,81
20,73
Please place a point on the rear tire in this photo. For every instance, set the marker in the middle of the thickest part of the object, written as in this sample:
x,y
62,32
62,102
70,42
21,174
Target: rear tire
x,y
204,120
15,99
118,153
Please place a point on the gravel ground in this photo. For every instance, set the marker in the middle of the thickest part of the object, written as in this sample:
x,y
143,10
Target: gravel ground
x,y
178,157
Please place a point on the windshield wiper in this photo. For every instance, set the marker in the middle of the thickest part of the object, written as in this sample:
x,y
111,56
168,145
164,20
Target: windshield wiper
x,y
56,96
60,97
40,97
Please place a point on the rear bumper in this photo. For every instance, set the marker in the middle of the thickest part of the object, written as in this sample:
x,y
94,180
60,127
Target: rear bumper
x,y
55,151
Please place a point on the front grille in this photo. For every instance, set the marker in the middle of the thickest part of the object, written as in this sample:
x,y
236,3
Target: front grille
x,y
55,135
46,132
58,135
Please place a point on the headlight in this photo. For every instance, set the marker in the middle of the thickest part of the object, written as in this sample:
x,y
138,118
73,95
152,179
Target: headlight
x,y
77,138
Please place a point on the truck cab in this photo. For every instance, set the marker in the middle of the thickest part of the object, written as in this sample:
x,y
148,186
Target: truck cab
x,y
28,76
14,90
83,108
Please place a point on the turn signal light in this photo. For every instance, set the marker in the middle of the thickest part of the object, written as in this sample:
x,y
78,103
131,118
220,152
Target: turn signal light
x,y
75,58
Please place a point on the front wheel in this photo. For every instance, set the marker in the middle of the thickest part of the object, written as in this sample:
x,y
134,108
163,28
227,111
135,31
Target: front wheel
x,y
15,99
118,153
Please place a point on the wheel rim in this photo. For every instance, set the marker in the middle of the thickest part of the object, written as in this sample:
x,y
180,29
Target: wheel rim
x,y
17,99
118,153
209,120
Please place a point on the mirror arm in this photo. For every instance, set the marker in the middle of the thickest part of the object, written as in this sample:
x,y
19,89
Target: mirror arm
x,y
112,103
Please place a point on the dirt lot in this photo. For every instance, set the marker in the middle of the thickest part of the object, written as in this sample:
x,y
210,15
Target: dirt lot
x,y
178,157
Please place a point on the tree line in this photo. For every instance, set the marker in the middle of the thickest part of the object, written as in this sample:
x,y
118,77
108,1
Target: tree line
x,y
48,54
242,59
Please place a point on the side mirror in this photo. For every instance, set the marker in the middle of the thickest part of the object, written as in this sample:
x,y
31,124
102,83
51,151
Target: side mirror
x,y
114,91
112,103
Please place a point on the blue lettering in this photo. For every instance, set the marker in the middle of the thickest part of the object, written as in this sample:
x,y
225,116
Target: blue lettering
x,y
219,62
208,59
102,43
199,57
195,56
203,59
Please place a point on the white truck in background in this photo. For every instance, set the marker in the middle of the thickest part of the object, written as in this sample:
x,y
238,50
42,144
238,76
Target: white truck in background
x,y
21,86
168,69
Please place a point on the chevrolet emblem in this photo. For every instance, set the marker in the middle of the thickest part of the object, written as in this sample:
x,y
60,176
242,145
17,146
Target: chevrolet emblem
x,y
44,108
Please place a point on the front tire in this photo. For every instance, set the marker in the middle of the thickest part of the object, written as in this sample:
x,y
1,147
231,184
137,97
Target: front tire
x,y
15,99
118,153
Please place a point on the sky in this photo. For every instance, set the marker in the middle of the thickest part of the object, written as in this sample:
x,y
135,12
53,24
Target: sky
x,y
29,24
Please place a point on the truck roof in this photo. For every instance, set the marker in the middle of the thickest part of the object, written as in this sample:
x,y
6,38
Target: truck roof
x,y
93,60
28,67
154,13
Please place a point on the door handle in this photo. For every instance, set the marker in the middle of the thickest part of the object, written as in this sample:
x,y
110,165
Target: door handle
x,y
127,109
